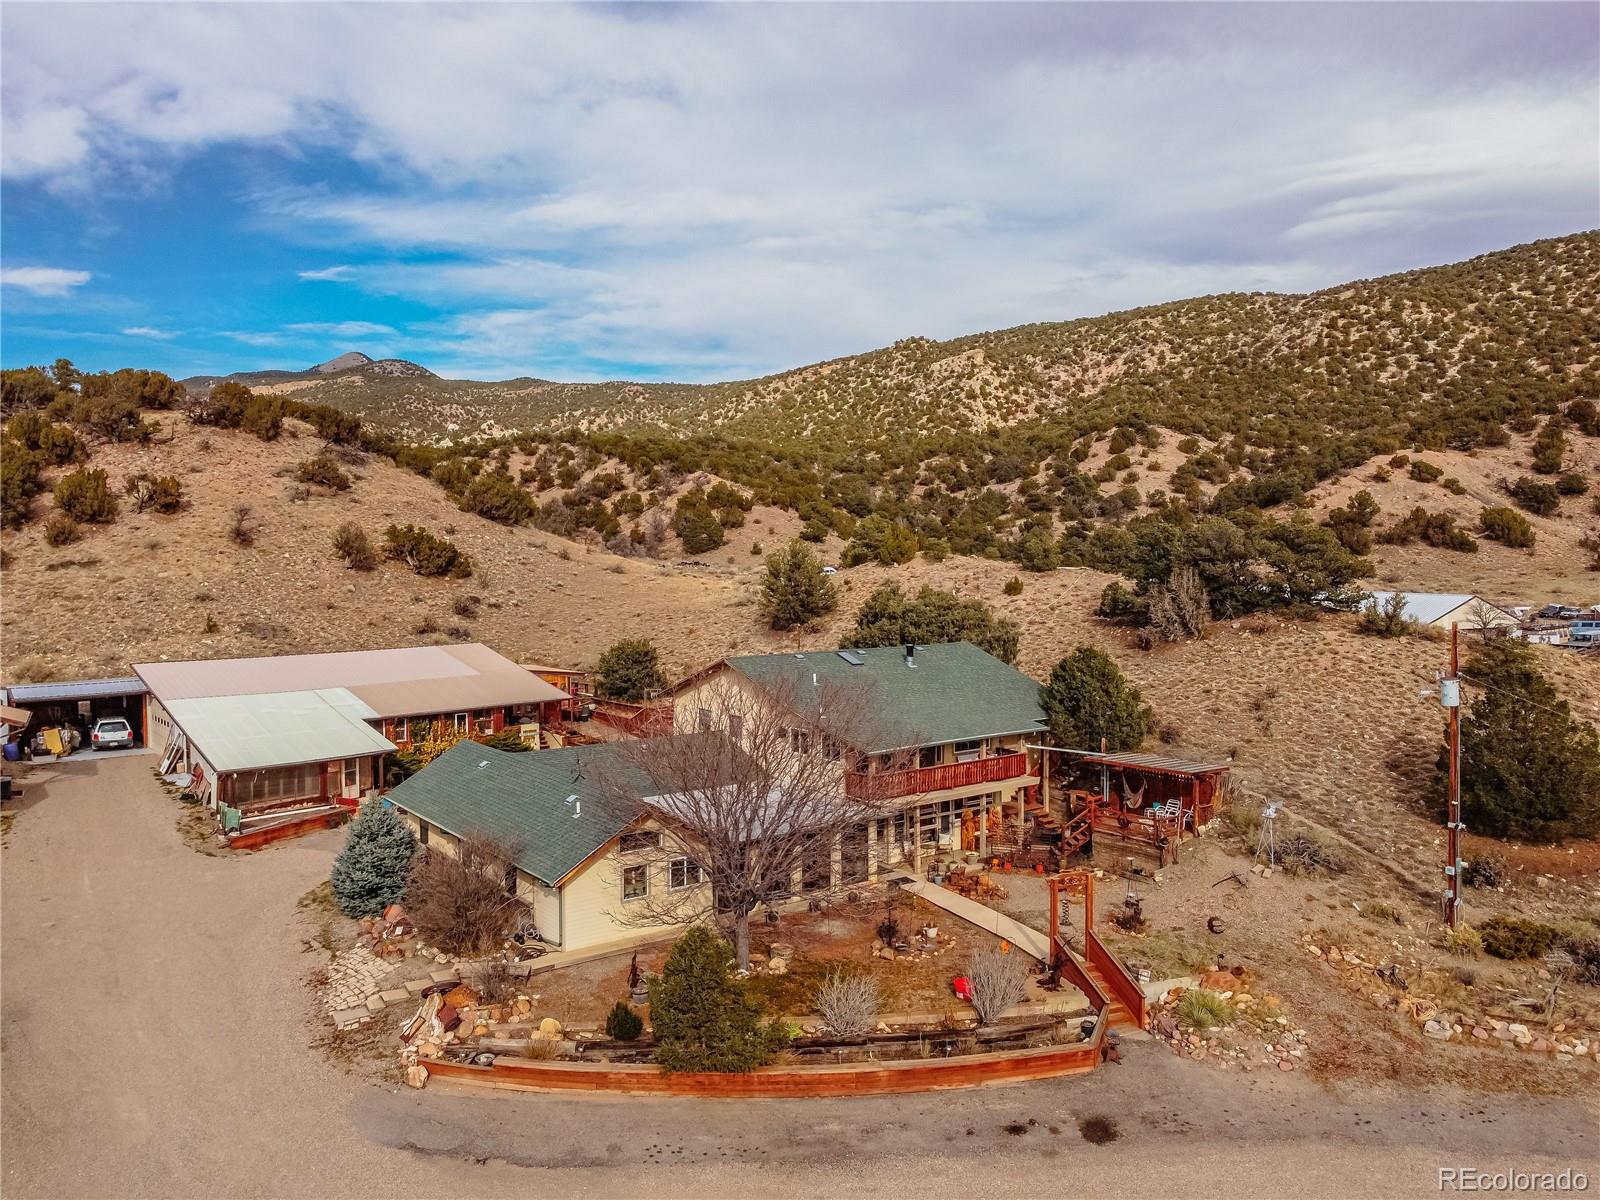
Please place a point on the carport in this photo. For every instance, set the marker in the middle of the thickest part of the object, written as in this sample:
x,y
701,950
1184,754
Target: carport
x,y
82,702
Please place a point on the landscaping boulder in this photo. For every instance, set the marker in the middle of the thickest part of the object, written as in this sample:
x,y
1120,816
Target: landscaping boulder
x,y
549,1030
417,1076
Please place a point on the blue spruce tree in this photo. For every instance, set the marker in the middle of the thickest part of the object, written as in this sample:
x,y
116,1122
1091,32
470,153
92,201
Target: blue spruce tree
x,y
370,872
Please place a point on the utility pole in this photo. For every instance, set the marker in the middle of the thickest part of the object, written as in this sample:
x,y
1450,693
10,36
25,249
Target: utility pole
x,y
1450,697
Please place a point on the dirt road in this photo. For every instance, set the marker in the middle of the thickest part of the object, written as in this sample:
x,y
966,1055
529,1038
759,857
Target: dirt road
x,y
156,1042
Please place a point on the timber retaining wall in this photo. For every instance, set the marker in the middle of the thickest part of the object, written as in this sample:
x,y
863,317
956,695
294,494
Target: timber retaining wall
x,y
844,1079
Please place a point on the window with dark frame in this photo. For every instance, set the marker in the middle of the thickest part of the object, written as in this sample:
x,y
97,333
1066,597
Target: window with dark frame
x,y
639,839
704,721
736,728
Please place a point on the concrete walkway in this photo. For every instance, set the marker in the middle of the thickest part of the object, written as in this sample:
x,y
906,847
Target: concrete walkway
x,y
1029,941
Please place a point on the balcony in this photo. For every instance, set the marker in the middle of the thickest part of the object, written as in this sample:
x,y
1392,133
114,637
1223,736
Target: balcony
x,y
891,785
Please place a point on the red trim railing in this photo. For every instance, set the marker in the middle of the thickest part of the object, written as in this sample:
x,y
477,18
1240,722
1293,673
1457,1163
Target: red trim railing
x,y
890,785
1116,975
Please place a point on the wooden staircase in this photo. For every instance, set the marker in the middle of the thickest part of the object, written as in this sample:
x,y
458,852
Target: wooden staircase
x,y
1076,832
1117,1014
1041,816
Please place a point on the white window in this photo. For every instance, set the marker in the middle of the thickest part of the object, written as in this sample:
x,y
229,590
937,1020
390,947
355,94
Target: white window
x,y
968,751
684,873
463,722
401,730
635,882
484,722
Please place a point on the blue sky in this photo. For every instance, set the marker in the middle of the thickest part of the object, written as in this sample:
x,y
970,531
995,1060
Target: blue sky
x,y
711,192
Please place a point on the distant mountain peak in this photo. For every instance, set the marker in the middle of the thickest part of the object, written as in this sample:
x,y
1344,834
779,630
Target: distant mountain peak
x,y
345,361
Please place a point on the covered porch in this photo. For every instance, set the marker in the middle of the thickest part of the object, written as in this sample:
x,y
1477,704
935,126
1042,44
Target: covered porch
x,y
1146,804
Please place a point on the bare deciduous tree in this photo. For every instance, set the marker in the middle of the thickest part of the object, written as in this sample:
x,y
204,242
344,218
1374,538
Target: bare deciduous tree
x,y
755,793
998,981
1483,617
848,1003
460,901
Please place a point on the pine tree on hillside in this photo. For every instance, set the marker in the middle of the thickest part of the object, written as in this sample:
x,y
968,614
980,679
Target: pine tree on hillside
x,y
370,872
1088,699
795,590
1529,769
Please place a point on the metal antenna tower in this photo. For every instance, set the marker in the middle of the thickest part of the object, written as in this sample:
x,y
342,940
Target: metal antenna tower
x,y
1267,839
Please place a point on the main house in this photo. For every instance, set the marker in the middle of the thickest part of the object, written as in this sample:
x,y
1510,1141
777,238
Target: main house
x,y
938,760
262,733
938,749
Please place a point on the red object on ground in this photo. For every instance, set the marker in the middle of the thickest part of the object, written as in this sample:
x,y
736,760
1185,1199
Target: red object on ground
x,y
962,987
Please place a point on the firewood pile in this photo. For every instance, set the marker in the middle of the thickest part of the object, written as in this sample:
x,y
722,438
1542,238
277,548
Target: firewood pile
x,y
976,887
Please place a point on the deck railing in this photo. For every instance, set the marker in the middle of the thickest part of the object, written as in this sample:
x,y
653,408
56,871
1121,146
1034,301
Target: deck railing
x,y
891,785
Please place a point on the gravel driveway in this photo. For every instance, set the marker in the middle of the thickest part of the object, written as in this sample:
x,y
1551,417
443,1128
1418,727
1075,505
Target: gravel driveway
x,y
156,1042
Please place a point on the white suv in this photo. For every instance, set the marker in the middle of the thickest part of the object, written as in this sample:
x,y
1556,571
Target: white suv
x,y
111,733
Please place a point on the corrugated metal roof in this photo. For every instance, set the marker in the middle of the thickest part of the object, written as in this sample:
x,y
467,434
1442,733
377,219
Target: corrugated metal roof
x,y
556,807
1156,762
403,682
76,689
954,692
244,733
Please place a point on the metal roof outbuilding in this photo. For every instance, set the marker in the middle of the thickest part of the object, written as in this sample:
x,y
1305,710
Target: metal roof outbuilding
x,y
283,729
402,682
75,689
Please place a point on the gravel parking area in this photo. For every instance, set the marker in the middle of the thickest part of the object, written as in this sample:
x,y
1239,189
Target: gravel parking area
x,y
158,1041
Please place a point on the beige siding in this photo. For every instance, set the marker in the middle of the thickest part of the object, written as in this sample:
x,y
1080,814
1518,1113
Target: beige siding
x,y
547,912
595,913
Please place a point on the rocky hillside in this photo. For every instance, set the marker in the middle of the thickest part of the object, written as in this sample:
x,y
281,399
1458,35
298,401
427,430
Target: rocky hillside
x,y
1443,349
352,368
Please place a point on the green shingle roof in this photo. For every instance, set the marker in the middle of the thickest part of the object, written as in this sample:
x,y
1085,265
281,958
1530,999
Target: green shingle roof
x,y
954,692
522,799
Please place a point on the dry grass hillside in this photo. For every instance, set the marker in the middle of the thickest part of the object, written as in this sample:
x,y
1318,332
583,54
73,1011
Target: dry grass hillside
x,y
1366,356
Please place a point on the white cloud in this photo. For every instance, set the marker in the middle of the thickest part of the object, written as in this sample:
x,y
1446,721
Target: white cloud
x,y
146,331
252,338
348,329
723,189
43,281
339,272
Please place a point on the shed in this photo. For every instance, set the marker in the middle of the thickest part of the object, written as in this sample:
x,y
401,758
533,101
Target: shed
x,y
82,702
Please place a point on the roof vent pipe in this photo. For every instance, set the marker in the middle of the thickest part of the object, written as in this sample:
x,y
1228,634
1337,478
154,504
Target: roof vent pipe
x,y
911,654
